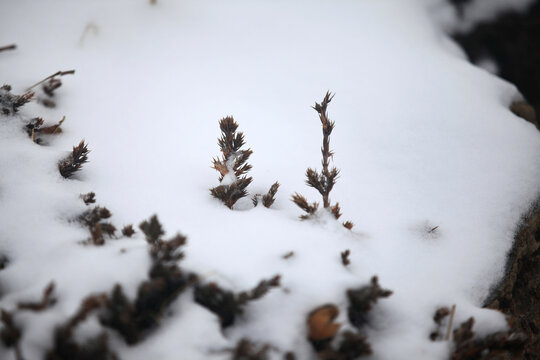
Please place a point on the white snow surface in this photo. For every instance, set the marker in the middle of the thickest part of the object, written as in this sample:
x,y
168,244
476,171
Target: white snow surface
x,y
423,139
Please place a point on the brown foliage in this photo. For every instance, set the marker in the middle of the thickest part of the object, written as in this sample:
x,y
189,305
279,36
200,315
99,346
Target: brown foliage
x,y
128,231
93,219
361,301
324,181
269,198
228,305
499,345
9,103
233,160
74,161
345,257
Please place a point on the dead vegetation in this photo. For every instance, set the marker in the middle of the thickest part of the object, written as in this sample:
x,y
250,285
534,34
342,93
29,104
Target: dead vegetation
x,y
233,164
9,103
226,304
323,330
74,161
8,47
499,345
324,181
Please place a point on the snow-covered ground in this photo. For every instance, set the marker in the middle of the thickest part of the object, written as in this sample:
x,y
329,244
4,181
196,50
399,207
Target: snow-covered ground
x,y
423,139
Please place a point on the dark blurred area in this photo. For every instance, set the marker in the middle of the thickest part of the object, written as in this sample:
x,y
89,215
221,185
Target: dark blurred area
x,y
512,41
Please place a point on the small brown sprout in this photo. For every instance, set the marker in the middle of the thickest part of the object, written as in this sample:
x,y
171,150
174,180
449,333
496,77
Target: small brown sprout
x,y
345,257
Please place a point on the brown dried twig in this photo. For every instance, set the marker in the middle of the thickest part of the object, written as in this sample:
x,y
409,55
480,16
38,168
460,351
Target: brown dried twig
x,y
8,47
58,73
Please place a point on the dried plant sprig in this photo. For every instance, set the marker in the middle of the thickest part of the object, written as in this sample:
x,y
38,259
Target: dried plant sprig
x,y
259,291
34,127
166,280
226,304
325,180
74,161
345,257
233,165
269,198
9,103
10,334
89,198
303,204
58,73
362,300
152,229
128,231
8,47
93,219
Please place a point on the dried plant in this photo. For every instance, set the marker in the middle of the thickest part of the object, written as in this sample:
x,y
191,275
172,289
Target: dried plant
x,y
47,300
10,334
65,345
362,300
499,345
34,127
9,103
288,255
89,198
345,257
94,220
303,204
233,164
324,181
152,229
53,77
128,231
8,47
269,198
132,320
440,315
74,161
226,304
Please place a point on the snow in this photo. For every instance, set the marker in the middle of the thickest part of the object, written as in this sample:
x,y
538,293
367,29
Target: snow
x,y
422,139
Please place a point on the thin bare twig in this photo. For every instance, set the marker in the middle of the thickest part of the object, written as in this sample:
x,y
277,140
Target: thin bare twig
x,y
58,73
8,47
452,313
